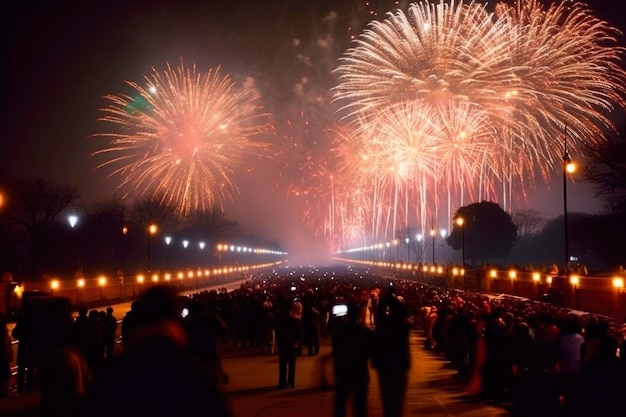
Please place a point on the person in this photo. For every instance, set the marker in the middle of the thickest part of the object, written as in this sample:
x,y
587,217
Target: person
x,y
373,307
603,385
29,331
392,358
6,357
65,375
289,344
155,375
311,330
352,349
205,330
110,322
129,321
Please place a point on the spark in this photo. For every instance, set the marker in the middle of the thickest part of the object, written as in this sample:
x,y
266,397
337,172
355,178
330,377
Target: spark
x,y
451,103
182,137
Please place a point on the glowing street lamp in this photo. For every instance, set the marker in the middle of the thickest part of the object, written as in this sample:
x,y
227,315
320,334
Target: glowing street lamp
x,y
419,238
152,229
568,168
618,286
433,232
80,284
54,285
460,221
408,250
102,281
396,243
72,219
574,280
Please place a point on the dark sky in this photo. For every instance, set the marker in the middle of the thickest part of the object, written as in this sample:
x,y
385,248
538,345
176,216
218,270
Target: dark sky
x,y
62,57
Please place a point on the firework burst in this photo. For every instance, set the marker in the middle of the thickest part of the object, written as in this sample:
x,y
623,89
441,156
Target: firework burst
x,y
451,103
182,137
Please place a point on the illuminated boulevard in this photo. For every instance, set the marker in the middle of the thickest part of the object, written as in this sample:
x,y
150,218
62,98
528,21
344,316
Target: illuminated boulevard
x,y
252,391
433,390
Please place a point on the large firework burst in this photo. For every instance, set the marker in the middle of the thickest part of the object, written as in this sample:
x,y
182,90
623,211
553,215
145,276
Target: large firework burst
x,y
181,137
449,101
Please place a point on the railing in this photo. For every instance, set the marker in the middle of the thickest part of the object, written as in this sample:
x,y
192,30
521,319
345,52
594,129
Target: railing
x,y
604,295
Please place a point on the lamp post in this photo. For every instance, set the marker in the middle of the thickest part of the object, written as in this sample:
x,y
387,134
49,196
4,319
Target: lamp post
x,y
396,242
433,232
460,222
102,281
419,238
443,233
72,219
568,168
152,229
408,250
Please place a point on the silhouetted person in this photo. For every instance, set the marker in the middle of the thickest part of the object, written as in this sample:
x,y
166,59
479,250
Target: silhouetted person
x,y
29,332
65,376
129,321
289,344
392,357
352,348
205,330
155,375
603,386
311,330
110,322
6,357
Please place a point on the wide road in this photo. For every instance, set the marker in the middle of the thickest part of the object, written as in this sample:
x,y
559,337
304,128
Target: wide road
x,y
252,391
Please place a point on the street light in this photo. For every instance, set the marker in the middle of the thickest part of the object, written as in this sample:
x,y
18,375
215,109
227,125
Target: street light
x,y
443,233
568,168
433,232
72,219
152,229
102,281
419,238
460,222
80,284
408,250
54,285
396,243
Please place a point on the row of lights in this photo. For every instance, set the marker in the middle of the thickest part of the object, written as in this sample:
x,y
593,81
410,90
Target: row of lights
x,y
617,282
395,242
433,269
153,229
55,284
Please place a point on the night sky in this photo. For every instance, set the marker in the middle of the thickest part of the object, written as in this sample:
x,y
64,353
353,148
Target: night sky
x,y
63,57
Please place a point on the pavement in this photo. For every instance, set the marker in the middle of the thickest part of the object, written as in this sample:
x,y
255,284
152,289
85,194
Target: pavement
x,y
433,390
252,390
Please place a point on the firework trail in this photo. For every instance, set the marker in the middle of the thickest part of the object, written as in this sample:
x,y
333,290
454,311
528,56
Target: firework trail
x,y
181,137
450,103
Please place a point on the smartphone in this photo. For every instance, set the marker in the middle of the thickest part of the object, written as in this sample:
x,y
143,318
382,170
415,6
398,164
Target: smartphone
x,y
340,310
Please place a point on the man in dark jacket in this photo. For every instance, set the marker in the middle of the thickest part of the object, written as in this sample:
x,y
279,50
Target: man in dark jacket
x,y
352,348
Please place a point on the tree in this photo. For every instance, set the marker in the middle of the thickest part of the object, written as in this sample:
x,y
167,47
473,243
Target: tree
x,y
529,223
488,232
548,246
106,243
606,170
36,206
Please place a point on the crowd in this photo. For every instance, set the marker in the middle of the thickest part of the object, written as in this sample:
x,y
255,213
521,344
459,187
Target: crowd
x,y
541,359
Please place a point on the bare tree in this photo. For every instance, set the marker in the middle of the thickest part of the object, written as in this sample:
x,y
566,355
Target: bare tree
x,y
36,206
529,223
606,170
